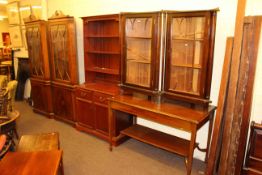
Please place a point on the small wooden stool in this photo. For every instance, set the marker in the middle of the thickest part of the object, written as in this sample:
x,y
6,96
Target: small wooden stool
x,y
40,142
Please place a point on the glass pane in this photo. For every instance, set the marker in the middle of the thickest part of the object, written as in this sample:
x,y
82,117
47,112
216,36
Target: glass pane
x,y
187,53
185,80
59,46
188,28
139,27
138,73
34,45
138,49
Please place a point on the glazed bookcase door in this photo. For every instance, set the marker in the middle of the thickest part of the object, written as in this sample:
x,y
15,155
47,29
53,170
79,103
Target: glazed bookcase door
x,y
59,44
33,35
188,53
63,49
139,50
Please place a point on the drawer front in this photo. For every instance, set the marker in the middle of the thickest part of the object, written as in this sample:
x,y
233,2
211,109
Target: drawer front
x,y
86,94
101,98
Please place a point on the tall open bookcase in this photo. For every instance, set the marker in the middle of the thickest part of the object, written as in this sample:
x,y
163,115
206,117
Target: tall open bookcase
x,y
102,74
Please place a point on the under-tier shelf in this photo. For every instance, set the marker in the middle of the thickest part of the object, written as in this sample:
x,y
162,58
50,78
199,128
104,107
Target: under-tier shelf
x,y
103,70
159,139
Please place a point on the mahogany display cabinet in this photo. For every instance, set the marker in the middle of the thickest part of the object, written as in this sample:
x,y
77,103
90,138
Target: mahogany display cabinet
x,y
36,35
102,75
168,54
62,47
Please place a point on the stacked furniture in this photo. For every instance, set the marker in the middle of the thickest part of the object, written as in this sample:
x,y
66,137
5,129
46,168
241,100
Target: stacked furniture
x,y
166,72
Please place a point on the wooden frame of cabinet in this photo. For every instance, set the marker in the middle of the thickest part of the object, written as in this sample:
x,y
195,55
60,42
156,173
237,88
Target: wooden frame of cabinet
x,y
189,55
102,74
62,47
36,34
140,49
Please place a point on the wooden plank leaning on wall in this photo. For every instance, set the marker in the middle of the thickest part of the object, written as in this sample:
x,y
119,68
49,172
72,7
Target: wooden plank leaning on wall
x,y
236,120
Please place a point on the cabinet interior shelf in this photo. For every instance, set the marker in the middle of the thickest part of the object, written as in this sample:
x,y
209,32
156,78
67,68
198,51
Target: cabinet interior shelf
x,y
187,39
103,52
195,66
159,139
139,61
103,70
102,36
138,37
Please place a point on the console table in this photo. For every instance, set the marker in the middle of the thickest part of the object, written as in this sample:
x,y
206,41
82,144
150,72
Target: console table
x,y
185,118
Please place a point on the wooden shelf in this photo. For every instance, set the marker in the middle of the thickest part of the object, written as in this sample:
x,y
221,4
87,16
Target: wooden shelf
x,y
159,139
138,37
139,61
103,70
102,36
188,39
195,66
103,52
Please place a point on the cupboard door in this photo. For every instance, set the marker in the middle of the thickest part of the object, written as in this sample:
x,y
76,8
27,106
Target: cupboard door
x,y
189,55
38,96
101,113
140,57
63,103
85,112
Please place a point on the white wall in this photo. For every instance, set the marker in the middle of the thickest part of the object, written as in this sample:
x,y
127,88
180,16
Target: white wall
x,y
225,27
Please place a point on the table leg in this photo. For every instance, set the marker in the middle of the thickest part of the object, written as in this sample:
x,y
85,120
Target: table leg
x,y
189,161
211,117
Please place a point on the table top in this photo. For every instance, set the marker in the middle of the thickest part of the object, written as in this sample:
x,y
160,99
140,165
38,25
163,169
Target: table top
x,y
39,142
176,111
31,163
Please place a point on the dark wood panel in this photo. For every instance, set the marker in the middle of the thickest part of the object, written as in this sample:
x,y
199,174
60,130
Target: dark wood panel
x,y
42,98
63,101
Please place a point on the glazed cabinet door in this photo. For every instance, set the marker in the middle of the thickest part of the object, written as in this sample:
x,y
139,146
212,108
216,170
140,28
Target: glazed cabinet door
x,y
36,36
189,45
140,56
61,32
